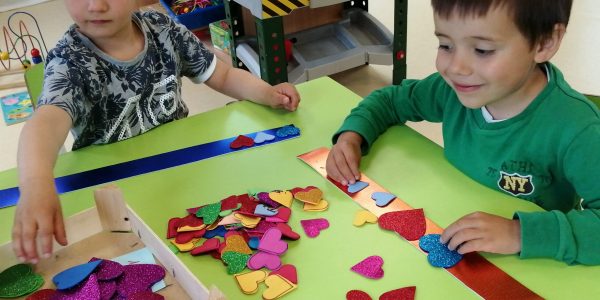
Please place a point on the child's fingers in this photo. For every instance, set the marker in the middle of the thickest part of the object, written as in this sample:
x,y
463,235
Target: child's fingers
x,y
46,235
29,232
59,229
17,242
344,169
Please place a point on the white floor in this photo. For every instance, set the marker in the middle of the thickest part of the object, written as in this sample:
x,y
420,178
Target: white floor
x,y
54,20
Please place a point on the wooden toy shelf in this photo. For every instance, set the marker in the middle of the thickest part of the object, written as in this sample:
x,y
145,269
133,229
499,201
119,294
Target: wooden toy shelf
x,y
329,36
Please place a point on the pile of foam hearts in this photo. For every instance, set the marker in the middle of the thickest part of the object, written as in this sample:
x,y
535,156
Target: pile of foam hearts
x,y
105,279
250,231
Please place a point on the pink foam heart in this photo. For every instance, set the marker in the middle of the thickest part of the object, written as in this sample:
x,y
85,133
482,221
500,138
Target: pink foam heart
x,y
410,224
137,278
89,289
264,259
406,293
108,269
271,242
107,289
313,227
370,267
288,272
146,295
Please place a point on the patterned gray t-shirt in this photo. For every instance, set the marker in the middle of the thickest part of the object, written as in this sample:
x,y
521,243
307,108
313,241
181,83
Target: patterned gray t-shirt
x,y
110,100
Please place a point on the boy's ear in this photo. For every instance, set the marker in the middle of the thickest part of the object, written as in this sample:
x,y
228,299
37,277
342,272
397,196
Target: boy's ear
x,y
548,46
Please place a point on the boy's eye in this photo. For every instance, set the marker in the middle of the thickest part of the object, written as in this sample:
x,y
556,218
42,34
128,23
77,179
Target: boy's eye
x,y
444,47
484,52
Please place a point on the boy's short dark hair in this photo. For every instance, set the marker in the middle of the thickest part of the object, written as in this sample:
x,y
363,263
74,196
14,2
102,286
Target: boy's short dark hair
x,y
535,19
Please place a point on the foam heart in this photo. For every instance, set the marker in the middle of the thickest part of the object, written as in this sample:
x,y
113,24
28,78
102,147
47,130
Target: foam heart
x,y
43,294
187,236
146,295
287,231
108,269
439,254
364,216
277,287
89,289
382,199
107,289
357,186
271,242
253,242
357,295
410,224
263,210
172,227
208,246
236,243
248,282
288,130
218,231
288,272
284,198
406,293
263,197
75,275
185,247
264,259
236,262
312,196
230,203
247,221
241,141
262,137
321,206
209,213
190,221
19,280
313,227
370,267
139,277
283,215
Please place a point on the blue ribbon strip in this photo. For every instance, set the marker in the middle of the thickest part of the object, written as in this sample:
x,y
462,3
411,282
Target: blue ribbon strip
x,y
68,183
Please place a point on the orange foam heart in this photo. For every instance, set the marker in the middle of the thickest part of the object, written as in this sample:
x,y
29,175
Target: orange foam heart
x,y
277,287
321,206
248,282
236,243
312,196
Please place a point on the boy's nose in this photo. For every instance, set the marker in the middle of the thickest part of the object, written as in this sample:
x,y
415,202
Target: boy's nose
x,y
459,65
97,5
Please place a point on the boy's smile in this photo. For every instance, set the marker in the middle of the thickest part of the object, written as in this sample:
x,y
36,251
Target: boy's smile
x,y
488,62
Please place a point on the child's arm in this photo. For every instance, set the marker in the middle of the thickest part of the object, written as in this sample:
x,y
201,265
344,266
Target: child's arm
x,y
240,84
344,158
38,213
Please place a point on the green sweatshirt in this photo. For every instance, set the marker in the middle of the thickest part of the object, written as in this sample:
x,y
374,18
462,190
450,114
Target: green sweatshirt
x,y
549,154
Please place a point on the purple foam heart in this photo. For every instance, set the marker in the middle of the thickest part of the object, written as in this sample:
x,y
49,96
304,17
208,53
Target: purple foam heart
x,y
89,289
370,267
146,295
137,278
263,197
108,269
107,289
264,259
313,227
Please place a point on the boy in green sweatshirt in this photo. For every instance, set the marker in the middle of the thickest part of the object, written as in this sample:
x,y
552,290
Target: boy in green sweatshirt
x,y
511,122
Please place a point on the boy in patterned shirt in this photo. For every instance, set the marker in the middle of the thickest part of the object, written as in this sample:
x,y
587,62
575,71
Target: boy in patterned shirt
x,y
511,122
115,74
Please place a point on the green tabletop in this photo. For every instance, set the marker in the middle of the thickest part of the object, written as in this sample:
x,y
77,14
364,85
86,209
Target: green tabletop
x,y
402,161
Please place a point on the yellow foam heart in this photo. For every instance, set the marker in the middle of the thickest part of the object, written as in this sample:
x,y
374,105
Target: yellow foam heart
x,y
247,221
248,282
321,206
284,198
186,228
187,246
312,196
236,243
277,287
364,216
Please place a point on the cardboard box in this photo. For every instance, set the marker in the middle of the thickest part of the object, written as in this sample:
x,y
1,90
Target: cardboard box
x,y
219,35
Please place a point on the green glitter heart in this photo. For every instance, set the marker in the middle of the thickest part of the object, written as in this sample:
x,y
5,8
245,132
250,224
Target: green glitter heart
x,y
19,280
209,213
236,262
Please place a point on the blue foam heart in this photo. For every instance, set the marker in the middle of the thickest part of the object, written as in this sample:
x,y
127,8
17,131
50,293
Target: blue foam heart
x,y
253,242
439,254
263,210
262,137
382,199
287,131
357,186
75,275
219,231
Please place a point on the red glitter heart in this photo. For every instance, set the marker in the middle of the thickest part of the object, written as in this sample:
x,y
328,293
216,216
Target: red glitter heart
x,y
242,141
288,272
406,293
357,295
410,224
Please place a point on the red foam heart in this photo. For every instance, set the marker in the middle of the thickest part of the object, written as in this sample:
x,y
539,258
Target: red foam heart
x,y
186,236
406,293
208,246
288,272
410,224
283,215
242,141
191,221
357,295
230,203
287,231
172,227
44,294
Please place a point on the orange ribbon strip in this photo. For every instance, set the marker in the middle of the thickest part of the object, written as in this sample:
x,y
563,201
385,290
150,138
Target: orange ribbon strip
x,y
476,272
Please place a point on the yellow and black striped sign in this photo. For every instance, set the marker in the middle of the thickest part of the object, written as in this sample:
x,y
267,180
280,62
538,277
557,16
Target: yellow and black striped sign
x,y
274,8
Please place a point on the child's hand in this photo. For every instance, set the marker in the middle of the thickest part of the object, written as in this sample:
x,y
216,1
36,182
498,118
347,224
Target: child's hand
x,y
483,232
344,158
284,95
38,216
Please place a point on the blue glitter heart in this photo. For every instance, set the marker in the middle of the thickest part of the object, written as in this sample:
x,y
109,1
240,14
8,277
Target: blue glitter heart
x,y
287,131
439,254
